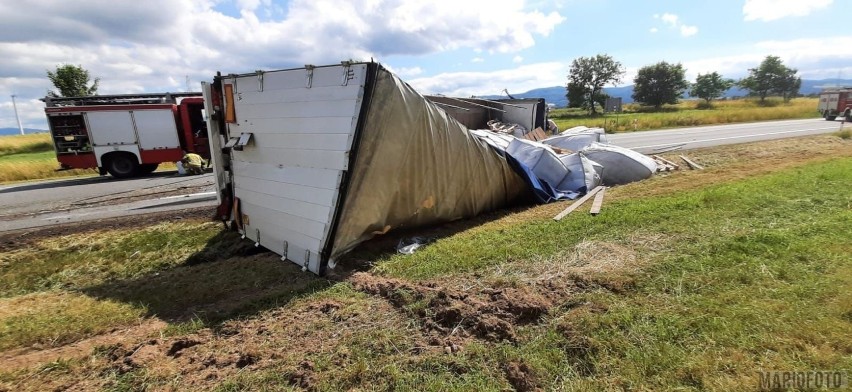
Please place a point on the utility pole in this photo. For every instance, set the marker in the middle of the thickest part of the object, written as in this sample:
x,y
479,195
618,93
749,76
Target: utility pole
x,y
15,106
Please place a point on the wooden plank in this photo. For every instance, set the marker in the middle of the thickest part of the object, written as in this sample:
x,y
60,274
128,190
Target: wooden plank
x,y
598,202
692,165
578,203
666,161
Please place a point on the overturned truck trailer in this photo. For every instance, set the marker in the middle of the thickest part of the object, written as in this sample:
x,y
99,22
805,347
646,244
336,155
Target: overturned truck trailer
x,y
312,161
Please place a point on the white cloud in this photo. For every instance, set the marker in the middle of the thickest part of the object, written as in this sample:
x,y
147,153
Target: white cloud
x,y
408,71
136,46
669,19
769,10
521,78
517,59
674,23
687,31
477,60
813,58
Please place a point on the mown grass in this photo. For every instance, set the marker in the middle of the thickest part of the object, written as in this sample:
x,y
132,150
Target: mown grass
x,y
755,275
686,114
736,278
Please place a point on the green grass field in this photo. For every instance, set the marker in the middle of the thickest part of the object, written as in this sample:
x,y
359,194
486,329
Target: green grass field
x,y
694,280
685,114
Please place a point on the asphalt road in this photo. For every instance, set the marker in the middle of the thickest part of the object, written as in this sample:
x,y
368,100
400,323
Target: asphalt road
x,y
44,203
714,135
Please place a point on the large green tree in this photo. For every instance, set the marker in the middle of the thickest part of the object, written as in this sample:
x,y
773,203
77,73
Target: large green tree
x,y
659,84
587,78
71,81
710,86
771,77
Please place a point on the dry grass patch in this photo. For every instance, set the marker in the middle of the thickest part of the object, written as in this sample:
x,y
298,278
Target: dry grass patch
x,y
20,144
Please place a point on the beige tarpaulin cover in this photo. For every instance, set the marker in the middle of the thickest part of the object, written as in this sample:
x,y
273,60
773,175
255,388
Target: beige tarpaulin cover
x,y
417,166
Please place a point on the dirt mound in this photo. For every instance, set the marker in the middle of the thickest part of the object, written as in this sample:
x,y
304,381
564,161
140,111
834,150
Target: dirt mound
x,y
304,377
489,314
521,377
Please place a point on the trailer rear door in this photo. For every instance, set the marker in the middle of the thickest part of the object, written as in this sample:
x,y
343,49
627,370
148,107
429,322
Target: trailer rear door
x,y
288,175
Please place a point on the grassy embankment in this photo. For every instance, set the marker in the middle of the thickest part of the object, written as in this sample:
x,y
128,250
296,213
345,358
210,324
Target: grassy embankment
x,y
685,114
31,157
692,281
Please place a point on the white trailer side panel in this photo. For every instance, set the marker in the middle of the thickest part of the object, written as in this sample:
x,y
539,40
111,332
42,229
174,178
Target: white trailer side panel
x,y
156,129
111,128
288,177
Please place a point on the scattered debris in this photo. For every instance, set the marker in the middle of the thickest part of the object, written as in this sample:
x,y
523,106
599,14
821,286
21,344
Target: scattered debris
x,y
692,165
598,202
407,246
536,135
506,128
578,203
666,161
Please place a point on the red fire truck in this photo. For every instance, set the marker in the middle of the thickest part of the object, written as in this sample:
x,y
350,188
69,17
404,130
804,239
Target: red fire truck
x,y
836,102
126,135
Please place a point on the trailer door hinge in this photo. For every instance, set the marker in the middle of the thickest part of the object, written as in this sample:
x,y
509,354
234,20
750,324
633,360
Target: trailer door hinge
x,y
309,75
259,80
348,73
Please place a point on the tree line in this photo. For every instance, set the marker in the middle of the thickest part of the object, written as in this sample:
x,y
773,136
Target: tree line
x,y
664,83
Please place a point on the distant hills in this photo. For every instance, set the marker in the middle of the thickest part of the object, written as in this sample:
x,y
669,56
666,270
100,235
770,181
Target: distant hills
x,y
556,94
16,131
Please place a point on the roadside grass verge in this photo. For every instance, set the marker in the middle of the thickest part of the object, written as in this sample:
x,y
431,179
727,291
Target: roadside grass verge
x,y
694,280
686,114
77,261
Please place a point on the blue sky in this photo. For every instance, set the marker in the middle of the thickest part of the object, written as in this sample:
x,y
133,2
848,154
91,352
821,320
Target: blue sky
x,y
452,47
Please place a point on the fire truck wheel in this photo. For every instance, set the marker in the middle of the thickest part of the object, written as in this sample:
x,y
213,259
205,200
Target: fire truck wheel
x,y
147,168
122,165
827,117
